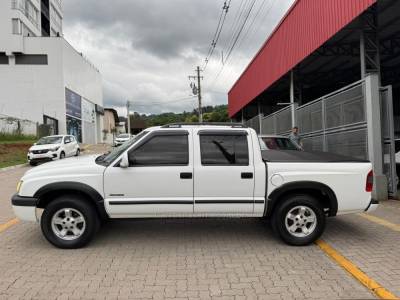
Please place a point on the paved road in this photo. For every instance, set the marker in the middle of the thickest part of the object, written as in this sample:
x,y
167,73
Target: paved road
x,y
197,259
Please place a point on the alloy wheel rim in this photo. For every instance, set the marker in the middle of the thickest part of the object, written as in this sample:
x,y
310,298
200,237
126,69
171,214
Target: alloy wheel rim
x,y
68,224
301,221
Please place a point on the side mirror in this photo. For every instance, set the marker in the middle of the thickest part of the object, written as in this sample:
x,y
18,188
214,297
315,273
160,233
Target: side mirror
x,y
124,161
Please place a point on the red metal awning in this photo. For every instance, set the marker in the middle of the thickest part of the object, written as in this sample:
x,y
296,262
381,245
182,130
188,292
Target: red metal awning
x,y
307,25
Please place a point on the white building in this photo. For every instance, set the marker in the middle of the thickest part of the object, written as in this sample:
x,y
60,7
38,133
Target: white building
x,y
43,78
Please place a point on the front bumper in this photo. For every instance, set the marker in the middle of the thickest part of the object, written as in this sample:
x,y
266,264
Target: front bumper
x,y
24,207
373,205
49,156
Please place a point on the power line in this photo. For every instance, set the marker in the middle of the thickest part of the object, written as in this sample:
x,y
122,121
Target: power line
x,y
247,32
235,24
240,31
235,41
217,33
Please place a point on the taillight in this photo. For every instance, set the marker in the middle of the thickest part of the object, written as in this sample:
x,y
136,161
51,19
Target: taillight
x,y
370,182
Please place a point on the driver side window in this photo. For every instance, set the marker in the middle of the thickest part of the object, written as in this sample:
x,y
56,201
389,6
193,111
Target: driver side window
x,y
67,140
161,150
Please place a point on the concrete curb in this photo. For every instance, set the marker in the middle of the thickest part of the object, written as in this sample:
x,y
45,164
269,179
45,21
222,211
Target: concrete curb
x,y
13,167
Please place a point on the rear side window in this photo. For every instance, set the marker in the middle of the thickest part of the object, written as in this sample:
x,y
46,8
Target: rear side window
x,y
224,150
162,150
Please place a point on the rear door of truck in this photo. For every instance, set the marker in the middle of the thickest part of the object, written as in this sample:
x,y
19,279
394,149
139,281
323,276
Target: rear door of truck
x,y
223,172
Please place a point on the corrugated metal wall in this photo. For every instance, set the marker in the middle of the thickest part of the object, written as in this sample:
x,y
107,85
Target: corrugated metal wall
x,y
308,25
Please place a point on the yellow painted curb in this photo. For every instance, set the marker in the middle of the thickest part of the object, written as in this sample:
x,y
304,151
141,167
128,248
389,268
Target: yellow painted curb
x,y
381,221
363,278
7,225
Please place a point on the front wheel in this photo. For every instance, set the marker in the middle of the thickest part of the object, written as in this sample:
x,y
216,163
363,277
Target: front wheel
x,y
78,152
299,220
62,155
69,222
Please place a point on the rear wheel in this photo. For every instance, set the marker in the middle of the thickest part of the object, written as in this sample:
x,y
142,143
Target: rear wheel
x,y
299,220
69,222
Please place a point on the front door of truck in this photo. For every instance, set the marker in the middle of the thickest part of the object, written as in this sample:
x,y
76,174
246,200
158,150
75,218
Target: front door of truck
x,y
158,181
223,172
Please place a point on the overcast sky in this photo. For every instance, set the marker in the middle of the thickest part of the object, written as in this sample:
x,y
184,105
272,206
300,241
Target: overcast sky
x,y
145,49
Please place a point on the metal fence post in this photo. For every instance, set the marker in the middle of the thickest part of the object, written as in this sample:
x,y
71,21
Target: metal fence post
x,y
374,126
259,116
323,123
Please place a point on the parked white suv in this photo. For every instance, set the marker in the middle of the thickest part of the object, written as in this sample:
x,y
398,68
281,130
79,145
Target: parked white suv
x,y
194,171
52,148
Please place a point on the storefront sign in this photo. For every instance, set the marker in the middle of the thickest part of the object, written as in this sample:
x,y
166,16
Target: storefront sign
x,y
73,104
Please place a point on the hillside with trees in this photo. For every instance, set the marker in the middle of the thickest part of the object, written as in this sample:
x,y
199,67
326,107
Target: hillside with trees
x,y
217,113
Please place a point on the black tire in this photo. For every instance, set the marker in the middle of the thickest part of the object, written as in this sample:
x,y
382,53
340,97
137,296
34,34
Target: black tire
x,y
62,155
292,202
78,205
78,152
33,164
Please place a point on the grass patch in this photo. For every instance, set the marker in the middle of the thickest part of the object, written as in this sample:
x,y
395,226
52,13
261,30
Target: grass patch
x,y
8,138
12,154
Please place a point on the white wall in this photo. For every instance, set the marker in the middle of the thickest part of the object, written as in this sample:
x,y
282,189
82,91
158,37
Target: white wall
x,y
29,91
81,76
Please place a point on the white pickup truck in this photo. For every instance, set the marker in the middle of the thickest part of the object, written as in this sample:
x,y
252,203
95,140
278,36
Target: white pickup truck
x,y
201,170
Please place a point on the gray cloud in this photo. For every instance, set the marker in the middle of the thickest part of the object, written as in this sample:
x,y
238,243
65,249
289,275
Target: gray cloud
x,y
145,49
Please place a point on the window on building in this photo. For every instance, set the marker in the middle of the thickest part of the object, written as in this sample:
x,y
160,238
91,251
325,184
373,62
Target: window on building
x,y
31,59
16,26
31,13
56,19
3,59
161,150
221,149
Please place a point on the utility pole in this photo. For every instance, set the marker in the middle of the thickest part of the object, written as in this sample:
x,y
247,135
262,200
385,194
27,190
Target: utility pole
x,y
129,119
197,90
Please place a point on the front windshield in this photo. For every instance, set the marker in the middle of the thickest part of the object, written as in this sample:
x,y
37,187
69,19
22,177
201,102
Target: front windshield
x,y
49,140
108,158
277,143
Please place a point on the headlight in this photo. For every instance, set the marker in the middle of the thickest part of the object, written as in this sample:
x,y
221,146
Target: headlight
x,y
55,149
19,186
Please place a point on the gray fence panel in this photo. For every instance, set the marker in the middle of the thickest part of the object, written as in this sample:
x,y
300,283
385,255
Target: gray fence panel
x,y
314,143
268,125
350,143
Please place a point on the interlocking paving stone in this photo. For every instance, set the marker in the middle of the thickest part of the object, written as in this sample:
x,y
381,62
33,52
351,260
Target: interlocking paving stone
x,y
196,259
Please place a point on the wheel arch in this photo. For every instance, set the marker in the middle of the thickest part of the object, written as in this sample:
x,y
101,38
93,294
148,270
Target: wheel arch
x,y
318,190
49,192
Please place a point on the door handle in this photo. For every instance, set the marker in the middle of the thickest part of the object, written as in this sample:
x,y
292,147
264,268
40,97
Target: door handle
x,y
186,175
246,175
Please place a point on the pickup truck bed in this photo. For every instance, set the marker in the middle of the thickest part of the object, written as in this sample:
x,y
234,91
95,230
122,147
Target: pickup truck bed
x,y
307,157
